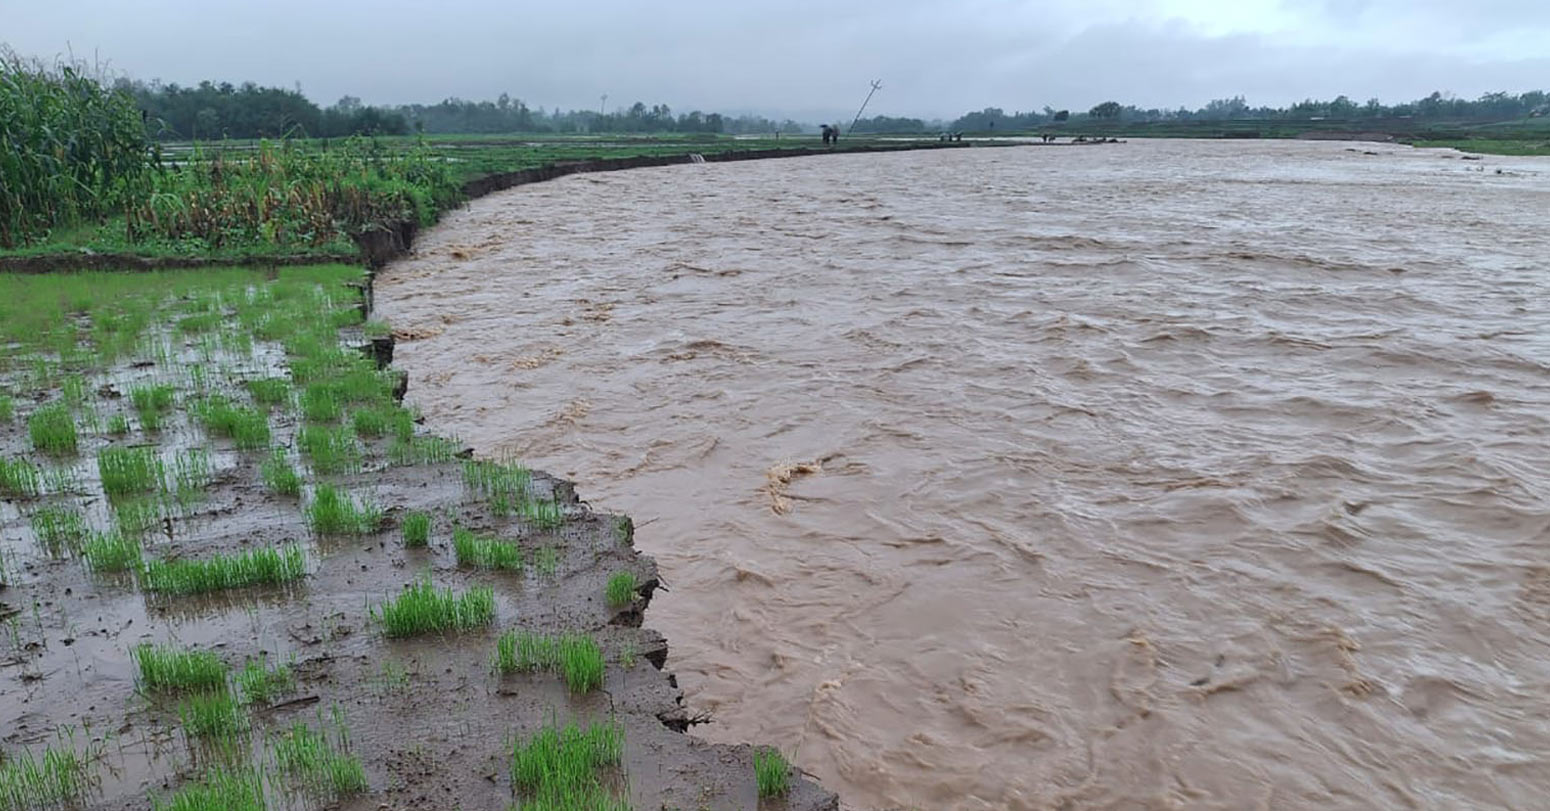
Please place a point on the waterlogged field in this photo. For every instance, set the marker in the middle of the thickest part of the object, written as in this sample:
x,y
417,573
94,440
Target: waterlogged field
x,y
235,573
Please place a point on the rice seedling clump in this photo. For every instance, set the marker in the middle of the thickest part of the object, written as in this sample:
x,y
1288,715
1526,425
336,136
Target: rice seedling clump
x,y
420,609
320,766
152,404
270,391
260,683
18,477
771,772
576,657
485,553
417,530
620,590
220,790
212,715
57,778
280,475
334,513
127,471
270,565
111,552
561,767
58,527
167,667
52,429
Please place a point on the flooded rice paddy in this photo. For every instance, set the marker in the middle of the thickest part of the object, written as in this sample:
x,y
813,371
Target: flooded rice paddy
x,y
1164,475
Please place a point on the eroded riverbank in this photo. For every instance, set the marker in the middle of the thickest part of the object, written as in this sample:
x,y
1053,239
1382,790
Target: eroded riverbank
x,y
1188,473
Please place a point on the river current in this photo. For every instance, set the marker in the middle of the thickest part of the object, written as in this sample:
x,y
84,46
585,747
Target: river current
x,y
1168,474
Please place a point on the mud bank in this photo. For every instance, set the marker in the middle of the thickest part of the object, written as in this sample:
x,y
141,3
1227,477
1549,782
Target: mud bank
x,y
428,717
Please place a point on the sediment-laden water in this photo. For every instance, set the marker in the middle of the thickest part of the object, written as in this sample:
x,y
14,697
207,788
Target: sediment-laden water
x,y
1164,475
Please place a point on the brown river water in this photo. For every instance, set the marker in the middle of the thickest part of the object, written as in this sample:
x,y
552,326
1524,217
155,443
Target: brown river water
x,y
1195,475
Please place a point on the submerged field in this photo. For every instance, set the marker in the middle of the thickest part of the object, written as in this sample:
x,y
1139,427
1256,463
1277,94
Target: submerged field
x,y
235,573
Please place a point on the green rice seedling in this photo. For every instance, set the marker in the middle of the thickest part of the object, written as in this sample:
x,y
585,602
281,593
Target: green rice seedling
x,y
370,423
270,391
627,655
58,528
279,475
417,530
495,478
191,469
18,477
266,566
321,767
59,777
220,789
575,657
137,516
422,450
335,513
130,471
168,668
544,514
772,773
260,683
111,552
559,767
203,322
212,715
152,404
330,450
118,425
546,559
52,429
320,402
73,391
62,480
485,553
624,530
420,609
248,428
364,384
7,408
620,590
376,329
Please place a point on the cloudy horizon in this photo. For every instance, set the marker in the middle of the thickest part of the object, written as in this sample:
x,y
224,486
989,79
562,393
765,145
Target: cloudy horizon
x,y
814,60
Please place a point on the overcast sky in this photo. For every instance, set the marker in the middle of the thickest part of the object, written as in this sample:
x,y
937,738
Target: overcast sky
x,y
812,59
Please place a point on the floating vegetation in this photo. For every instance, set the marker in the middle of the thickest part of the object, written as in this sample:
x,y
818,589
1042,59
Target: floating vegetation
x,y
335,513
576,657
560,767
485,553
620,590
417,530
771,772
272,565
52,429
420,609
171,668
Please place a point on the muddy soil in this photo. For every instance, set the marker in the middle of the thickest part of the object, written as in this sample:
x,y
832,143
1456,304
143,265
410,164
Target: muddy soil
x,y
431,722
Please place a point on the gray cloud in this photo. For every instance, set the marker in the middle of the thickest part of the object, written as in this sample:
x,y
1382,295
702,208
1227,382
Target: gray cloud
x,y
814,58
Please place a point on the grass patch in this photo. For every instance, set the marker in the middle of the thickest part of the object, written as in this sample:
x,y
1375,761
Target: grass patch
x,y
420,609
280,475
112,552
152,403
220,790
558,768
170,668
212,715
267,566
260,683
18,477
270,391
485,553
620,590
321,767
575,657
52,429
772,773
130,471
335,513
417,530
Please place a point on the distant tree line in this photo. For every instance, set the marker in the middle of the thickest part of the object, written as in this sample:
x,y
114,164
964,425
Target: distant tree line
x,y
210,111
1436,107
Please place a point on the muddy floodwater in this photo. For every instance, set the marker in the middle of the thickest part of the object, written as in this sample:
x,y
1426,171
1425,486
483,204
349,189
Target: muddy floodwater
x,y
1161,475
